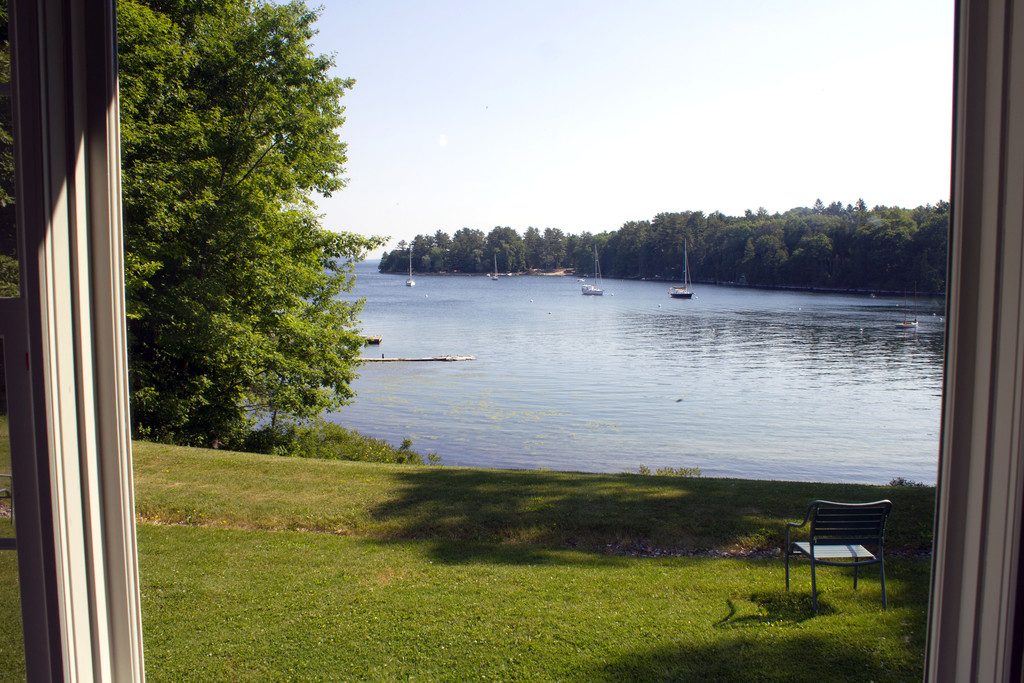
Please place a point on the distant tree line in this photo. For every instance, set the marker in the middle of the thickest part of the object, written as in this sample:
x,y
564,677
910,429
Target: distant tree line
x,y
827,246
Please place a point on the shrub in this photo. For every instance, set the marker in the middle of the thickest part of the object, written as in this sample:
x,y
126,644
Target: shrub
x,y
328,441
678,471
903,482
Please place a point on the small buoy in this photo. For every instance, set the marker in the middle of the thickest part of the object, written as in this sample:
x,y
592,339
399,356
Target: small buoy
x,y
659,305
426,296
531,301
549,312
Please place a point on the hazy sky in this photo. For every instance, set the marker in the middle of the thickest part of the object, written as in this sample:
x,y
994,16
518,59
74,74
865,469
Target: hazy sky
x,y
583,115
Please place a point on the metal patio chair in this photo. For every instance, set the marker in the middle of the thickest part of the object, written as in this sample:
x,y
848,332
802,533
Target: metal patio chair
x,y
839,532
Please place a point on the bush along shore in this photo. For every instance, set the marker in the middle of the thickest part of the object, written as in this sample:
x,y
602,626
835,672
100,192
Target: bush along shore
x,y
325,440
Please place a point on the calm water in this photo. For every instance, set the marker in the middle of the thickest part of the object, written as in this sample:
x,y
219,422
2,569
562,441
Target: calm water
x,y
738,382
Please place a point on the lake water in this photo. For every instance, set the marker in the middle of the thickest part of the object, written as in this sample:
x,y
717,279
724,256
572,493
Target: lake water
x,y
739,382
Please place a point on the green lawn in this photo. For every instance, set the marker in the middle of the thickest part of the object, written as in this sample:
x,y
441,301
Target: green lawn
x,y
261,567
257,567
451,505
262,605
12,659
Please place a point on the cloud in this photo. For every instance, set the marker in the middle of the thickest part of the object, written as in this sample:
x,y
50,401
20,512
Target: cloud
x,y
442,140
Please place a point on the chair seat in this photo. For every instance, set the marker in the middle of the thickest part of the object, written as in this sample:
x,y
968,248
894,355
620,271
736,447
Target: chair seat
x,y
839,551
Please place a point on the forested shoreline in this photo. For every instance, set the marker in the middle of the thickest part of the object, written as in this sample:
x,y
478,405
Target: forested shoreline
x,y
828,247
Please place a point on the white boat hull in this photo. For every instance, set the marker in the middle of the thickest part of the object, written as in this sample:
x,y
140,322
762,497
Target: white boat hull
x,y
680,293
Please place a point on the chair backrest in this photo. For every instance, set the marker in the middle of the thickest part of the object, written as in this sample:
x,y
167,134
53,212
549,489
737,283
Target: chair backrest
x,y
848,522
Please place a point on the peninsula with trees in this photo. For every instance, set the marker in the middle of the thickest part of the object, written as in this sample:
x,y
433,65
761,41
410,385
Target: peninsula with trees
x,y
828,247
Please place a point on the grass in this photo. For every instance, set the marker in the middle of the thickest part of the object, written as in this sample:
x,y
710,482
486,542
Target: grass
x,y
263,567
5,444
540,508
225,604
12,658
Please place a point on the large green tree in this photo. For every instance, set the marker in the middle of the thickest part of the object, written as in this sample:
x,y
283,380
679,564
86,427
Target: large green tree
x,y
229,125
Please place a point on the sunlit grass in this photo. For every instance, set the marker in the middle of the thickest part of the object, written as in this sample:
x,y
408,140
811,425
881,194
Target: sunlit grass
x,y
458,573
265,567
256,605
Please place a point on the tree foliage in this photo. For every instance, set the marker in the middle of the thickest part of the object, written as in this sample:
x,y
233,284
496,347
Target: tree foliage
x,y
826,246
228,126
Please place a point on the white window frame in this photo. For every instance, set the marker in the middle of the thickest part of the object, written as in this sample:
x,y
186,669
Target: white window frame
x,y
975,620
82,617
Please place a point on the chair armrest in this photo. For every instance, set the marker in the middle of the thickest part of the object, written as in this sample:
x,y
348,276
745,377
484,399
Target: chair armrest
x,y
807,517
796,525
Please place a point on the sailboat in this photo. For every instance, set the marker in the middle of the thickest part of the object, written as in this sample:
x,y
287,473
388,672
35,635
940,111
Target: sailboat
x,y
683,292
410,282
594,290
907,323
494,273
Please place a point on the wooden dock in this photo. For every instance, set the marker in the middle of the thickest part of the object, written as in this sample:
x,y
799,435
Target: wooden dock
x,y
435,359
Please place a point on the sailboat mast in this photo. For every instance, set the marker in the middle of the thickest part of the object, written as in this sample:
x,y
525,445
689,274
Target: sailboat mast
x,y
686,266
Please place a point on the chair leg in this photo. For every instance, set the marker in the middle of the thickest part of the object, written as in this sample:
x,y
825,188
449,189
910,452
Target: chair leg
x,y
885,603
855,568
814,588
787,570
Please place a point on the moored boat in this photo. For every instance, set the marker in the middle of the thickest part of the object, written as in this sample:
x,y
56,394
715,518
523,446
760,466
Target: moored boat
x,y
683,291
594,290
410,282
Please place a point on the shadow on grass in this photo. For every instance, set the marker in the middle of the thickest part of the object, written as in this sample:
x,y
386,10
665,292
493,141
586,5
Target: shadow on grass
x,y
772,609
621,514
795,656
473,552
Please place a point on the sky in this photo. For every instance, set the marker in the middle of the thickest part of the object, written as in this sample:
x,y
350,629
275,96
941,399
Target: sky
x,y
584,115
